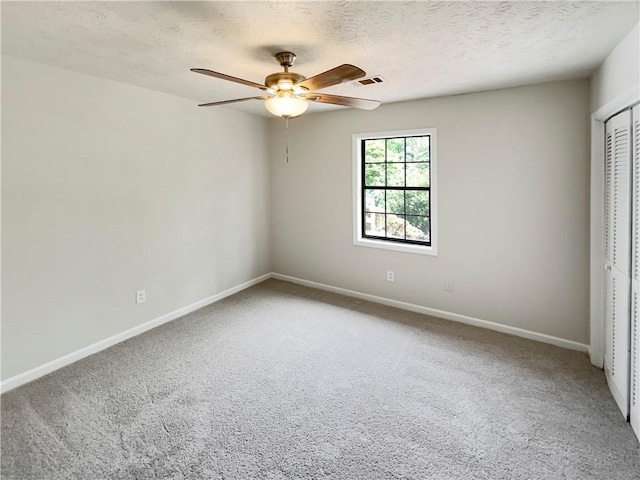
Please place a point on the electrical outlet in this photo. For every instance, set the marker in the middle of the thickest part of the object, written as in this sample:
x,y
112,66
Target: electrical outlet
x,y
391,277
448,286
141,297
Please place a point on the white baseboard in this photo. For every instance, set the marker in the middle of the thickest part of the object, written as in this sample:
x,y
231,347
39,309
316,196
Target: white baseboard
x,y
40,371
498,327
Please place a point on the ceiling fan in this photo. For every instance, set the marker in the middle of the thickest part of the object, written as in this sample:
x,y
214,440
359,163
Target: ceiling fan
x,y
287,94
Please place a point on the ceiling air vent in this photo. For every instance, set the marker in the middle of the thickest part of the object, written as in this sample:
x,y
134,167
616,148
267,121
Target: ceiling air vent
x,y
361,82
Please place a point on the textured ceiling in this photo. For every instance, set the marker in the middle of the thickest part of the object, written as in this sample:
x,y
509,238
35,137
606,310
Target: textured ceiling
x,y
422,49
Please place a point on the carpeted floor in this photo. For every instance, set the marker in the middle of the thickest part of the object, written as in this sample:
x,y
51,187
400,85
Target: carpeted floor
x,y
285,382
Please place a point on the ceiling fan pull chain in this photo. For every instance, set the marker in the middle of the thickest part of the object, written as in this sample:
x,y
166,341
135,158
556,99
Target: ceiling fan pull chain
x,y
286,127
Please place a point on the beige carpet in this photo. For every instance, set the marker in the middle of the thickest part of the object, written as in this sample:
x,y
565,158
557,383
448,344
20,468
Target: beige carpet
x,y
285,382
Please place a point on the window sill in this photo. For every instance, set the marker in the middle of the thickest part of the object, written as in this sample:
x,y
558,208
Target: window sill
x,y
398,247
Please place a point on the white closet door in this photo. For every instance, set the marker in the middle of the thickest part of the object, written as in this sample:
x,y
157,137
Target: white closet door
x,y
608,242
634,393
618,315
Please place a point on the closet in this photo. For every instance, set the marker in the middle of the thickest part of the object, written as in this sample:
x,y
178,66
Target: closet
x,y
622,262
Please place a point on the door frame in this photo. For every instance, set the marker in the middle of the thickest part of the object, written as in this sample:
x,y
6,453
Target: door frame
x,y
597,253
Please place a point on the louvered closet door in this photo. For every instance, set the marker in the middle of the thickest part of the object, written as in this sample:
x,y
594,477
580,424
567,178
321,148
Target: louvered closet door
x,y
634,393
608,242
617,322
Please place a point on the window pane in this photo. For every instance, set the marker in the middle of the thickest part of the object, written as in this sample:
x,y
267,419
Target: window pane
x,y
395,201
417,202
395,174
417,228
374,150
418,149
374,201
374,224
374,175
417,175
395,149
395,226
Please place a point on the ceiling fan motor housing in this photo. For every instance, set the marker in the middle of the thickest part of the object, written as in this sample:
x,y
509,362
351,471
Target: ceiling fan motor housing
x,y
284,80
275,80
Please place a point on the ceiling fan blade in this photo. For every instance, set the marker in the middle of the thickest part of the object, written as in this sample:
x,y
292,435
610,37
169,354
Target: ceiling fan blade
x,y
223,76
212,104
362,103
343,73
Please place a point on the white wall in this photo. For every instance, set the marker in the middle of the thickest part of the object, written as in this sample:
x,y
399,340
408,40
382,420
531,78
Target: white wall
x,y
619,73
513,206
108,189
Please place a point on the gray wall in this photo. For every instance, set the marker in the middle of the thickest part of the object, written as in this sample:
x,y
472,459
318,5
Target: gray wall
x,y
108,189
513,206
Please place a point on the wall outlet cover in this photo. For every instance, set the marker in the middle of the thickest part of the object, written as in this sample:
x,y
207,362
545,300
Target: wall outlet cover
x,y
141,297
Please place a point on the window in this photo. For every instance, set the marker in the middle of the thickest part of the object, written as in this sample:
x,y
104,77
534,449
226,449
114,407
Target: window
x,y
394,190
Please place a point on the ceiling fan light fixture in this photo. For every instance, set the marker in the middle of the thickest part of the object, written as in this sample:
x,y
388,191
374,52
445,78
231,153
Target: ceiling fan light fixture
x,y
285,84
298,90
286,104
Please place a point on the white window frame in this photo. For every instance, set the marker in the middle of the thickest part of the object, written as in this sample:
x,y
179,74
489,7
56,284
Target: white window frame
x,y
358,239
